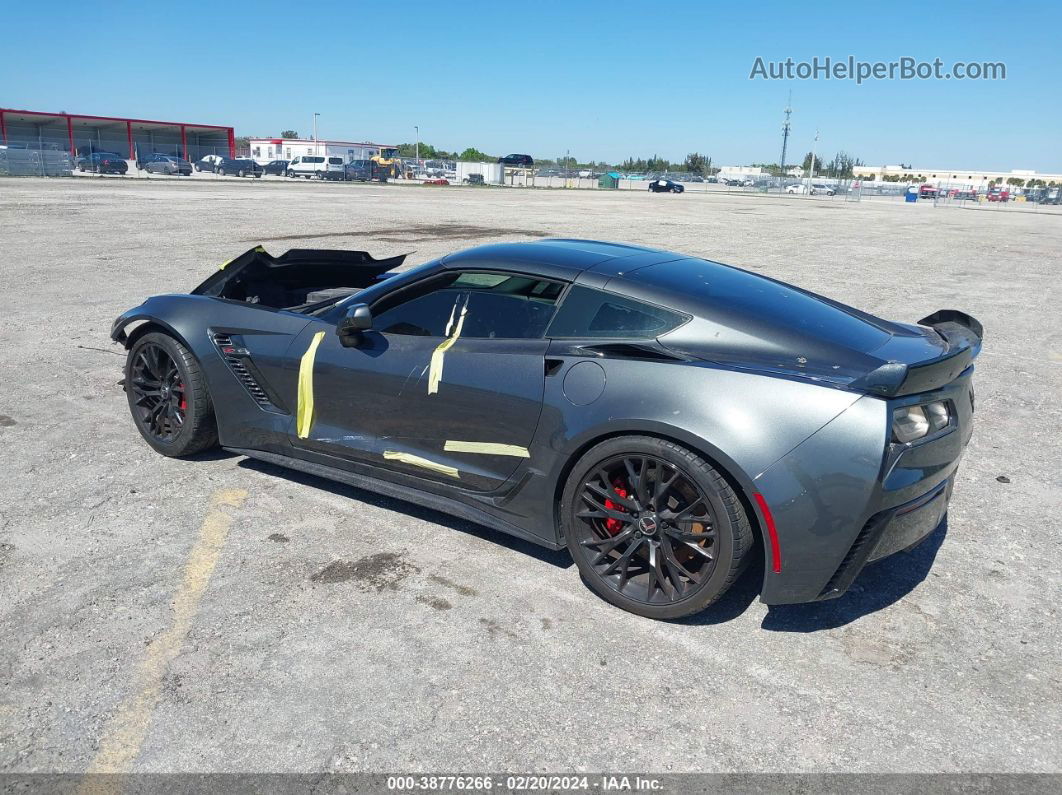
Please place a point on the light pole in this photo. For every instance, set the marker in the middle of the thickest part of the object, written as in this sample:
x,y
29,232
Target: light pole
x,y
315,147
811,165
416,155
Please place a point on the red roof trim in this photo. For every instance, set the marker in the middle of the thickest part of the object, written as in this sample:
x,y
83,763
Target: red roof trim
x,y
112,118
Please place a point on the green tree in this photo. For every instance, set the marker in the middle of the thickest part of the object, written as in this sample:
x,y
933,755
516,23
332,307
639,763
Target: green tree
x,y
695,163
427,151
1016,182
473,154
289,134
842,165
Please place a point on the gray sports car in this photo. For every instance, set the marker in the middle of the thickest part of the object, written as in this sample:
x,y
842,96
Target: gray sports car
x,y
662,416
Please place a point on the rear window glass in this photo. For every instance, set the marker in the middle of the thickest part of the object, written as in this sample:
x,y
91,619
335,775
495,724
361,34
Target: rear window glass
x,y
727,289
595,313
335,161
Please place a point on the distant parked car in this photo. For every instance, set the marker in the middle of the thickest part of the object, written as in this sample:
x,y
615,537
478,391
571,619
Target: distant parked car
x,y
796,187
819,187
276,167
360,170
102,163
517,160
998,194
207,163
167,164
748,183
437,181
927,192
966,195
713,180
733,183
665,186
241,167
474,179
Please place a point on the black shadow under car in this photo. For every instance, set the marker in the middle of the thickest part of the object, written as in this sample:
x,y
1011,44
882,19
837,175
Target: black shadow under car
x,y
661,416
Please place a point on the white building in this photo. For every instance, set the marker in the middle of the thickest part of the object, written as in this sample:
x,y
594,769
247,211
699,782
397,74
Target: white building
x,y
953,177
264,150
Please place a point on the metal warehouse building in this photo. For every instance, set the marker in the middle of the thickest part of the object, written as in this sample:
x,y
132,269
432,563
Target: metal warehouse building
x,y
127,137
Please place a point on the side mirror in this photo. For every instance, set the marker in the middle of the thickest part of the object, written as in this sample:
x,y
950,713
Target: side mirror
x,y
357,319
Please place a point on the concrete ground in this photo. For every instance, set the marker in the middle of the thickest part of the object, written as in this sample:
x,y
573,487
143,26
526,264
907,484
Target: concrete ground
x,y
223,615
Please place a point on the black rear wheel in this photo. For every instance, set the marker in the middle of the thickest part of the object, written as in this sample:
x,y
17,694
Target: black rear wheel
x,y
168,396
653,527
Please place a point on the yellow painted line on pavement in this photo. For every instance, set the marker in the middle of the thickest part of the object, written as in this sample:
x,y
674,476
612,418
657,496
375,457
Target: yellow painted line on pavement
x,y
126,729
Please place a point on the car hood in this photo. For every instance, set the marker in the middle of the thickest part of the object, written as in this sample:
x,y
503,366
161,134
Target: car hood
x,y
745,320
259,277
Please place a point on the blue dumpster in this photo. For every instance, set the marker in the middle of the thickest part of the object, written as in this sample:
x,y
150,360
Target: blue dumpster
x,y
912,194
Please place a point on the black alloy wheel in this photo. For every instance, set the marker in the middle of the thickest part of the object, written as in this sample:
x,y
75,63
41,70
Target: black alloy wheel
x,y
653,527
158,392
168,396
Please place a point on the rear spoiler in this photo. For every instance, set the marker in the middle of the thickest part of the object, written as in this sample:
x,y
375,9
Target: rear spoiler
x,y
963,335
299,265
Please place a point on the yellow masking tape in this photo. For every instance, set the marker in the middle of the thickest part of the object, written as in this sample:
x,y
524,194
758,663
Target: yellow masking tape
x,y
417,461
486,448
435,369
304,413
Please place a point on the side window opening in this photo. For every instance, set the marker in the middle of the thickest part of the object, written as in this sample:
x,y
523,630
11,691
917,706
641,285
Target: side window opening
x,y
499,306
595,313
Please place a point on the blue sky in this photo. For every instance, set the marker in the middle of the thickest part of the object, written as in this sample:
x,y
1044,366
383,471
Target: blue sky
x,y
605,79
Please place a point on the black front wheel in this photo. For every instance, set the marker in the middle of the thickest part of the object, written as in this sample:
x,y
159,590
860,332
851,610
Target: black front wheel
x,y
653,527
168,396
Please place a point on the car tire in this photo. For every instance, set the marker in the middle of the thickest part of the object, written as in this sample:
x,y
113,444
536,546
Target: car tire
x,y
196,167
185,424
683,557
220,172
289,173
81,167
241,173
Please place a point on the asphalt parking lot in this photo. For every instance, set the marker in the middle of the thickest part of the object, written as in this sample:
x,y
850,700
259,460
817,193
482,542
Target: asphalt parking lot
x,y
224,615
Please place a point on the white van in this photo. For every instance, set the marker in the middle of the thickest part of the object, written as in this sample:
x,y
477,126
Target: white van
x,y
320,166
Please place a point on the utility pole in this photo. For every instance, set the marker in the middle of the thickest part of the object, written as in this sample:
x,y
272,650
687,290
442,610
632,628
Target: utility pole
x,y
416,156
315,146
785,132
811,165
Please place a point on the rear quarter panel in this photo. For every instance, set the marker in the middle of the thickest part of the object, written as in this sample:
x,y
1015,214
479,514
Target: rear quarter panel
x,y
742,421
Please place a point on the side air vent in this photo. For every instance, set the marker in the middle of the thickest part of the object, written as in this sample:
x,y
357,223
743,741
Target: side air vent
x,y
238,360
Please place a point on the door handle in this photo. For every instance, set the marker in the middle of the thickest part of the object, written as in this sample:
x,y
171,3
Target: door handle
x,y
553,366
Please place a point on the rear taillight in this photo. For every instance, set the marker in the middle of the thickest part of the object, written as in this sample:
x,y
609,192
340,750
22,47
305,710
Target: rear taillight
x,y
911,423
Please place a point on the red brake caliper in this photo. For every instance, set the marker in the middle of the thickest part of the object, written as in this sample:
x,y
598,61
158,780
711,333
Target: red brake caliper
x,y
615,525
184,400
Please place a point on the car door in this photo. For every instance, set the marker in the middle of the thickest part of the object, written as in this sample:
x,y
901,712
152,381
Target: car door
x,y
447,386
